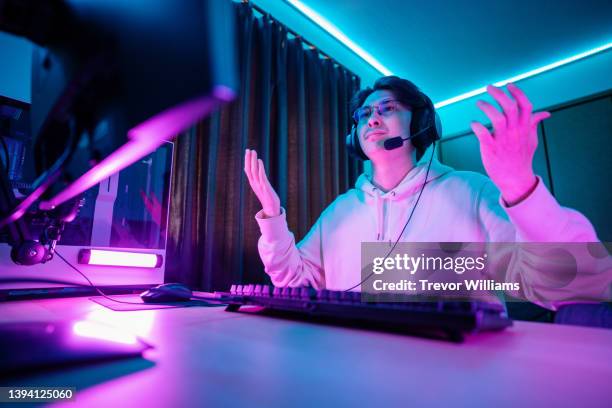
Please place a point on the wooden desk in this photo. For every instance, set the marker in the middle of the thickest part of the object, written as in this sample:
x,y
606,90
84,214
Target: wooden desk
x,y
209,357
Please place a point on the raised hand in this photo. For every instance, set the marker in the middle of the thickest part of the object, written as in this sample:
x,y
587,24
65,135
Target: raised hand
x,y
507,154
256,174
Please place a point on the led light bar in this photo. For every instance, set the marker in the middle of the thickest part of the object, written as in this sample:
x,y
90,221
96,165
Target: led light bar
x,y
339,35
528,74
119,258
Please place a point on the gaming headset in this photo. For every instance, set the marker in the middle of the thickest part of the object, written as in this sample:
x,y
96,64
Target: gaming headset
x,y
425,128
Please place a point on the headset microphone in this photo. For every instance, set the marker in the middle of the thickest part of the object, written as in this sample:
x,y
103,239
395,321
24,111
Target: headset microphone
x,y
398,141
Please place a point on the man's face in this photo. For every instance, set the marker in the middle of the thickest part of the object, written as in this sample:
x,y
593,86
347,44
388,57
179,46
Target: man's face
x,y
392,120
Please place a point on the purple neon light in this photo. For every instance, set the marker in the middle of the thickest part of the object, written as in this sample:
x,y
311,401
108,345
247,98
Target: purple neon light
x,y
224,93
142,140
119,258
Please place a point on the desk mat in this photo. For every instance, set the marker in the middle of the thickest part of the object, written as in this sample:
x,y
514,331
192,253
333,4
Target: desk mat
x,y
136,303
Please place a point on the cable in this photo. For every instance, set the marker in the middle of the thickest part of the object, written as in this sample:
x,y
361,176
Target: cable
x,y
95,287
90,285
409,218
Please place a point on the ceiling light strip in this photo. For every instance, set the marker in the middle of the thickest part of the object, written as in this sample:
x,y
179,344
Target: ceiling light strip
x,y
528,74
339,35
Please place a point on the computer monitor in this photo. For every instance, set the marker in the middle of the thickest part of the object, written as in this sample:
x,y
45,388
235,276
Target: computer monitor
x,y
117,79
112,82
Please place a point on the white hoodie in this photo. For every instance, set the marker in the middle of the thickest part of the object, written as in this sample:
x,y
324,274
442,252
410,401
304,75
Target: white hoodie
x,y
455,206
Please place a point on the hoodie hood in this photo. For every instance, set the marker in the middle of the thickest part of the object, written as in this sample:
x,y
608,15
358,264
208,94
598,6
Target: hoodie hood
x,y
411,184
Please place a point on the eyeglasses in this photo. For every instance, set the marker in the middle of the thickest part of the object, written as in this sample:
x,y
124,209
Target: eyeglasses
x,y
385,108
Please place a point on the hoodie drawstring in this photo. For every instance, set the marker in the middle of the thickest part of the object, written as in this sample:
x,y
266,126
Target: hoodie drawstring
x,y
379,217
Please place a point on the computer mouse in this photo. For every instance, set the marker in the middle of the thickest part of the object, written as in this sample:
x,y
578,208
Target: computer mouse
x,y
168,292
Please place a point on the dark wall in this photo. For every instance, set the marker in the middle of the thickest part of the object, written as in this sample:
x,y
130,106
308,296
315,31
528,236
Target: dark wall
x,y
574,157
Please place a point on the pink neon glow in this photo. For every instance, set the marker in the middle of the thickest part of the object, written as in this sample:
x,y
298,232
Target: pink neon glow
x,y
117,258
142,140
98,331
171,122
224,93
140,324
116,161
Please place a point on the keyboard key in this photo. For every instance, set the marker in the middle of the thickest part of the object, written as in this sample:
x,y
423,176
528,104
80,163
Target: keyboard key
x,y
322,294
346,297
305,293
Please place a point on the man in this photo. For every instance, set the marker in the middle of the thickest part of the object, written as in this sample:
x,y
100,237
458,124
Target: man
x,y
404,199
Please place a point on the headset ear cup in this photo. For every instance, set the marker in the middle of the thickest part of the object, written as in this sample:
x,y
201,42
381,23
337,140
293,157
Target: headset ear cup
x,y
420,121
353,146
438,126
358,148
426,117
349,145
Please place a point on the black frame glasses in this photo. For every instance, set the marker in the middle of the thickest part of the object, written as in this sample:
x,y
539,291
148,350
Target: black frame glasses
x,y
384,108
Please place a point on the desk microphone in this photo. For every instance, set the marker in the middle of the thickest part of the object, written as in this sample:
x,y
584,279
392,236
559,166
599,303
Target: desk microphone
x,y
398,141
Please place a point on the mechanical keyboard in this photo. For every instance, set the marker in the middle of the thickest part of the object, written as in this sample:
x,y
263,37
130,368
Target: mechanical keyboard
x,y
449,318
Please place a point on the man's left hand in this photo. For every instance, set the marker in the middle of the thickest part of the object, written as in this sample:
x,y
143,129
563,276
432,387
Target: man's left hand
x,y
507,153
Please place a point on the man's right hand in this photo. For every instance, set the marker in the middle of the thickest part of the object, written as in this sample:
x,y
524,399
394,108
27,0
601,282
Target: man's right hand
x,y
256,173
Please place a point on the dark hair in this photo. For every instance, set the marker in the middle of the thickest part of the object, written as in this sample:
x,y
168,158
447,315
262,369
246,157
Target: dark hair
x,y
409,95
404,91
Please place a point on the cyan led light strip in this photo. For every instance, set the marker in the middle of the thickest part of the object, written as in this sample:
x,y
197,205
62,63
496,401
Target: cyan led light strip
x,y
339,35
525,75
333,30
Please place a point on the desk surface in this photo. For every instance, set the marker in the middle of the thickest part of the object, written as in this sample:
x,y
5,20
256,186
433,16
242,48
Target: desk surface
x,y
210,357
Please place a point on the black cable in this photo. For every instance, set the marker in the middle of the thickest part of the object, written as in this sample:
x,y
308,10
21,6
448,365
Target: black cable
x,y
82,285
95,287
405,225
